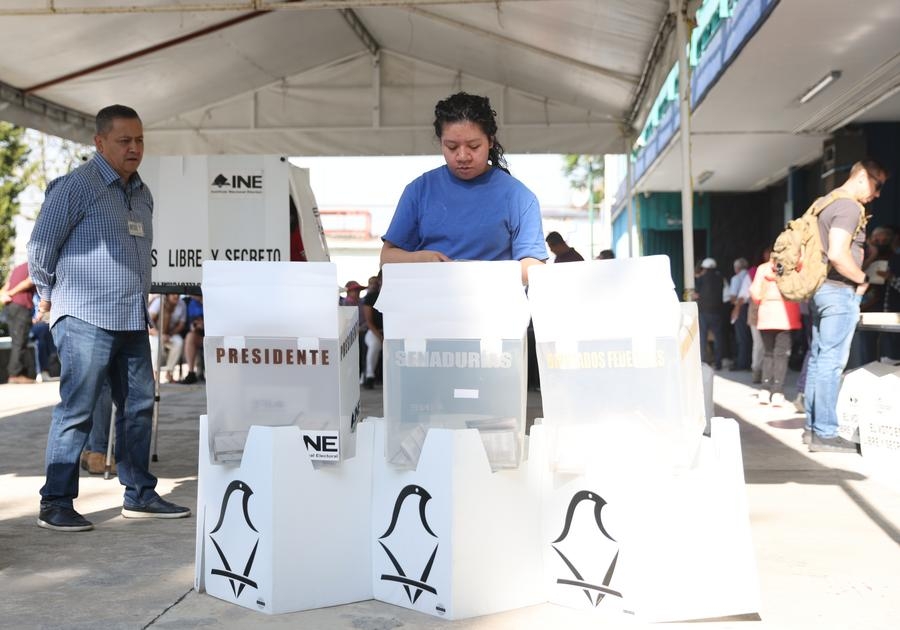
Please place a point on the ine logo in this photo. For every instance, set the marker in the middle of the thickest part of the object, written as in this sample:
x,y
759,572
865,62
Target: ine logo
x,y
237,543
588,537
418,526
237,183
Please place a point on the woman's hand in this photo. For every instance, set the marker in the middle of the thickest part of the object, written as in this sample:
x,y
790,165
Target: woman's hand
x,y
390,253
427,255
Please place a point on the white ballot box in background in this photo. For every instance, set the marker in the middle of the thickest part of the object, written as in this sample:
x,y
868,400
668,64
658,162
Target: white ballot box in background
x,y
279,351
454,356
276,535
859,392
872,392
616,349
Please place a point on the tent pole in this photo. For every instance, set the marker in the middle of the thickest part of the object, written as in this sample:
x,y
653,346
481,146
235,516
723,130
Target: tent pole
x,y
679,7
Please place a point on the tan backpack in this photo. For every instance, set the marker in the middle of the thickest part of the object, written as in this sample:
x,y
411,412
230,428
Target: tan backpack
x,y
798,256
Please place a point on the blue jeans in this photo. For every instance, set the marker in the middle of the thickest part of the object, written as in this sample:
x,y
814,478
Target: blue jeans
x,y
835,314
89,355
44,340
98,440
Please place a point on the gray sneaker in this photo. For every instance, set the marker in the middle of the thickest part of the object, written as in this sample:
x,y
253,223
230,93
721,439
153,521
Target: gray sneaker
x,y
835,444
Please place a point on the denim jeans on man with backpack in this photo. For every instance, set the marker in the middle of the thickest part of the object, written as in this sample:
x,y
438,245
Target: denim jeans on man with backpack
x,y
835,314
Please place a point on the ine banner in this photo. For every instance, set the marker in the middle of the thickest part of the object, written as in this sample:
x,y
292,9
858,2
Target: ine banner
x,y
216,207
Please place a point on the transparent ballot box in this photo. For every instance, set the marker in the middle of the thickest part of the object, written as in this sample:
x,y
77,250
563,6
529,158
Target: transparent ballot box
x,y
300,368
454,356
618,352
455,384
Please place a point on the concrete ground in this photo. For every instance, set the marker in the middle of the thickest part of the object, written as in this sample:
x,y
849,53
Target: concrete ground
x,y
825,528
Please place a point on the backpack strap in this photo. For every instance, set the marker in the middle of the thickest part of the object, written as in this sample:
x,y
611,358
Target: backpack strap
x,y
823,202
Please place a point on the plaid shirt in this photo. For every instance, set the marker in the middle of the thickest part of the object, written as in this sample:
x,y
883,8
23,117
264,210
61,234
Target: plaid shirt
x,y
83,254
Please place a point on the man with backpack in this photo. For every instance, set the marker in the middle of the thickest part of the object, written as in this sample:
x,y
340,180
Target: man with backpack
x,y
834,306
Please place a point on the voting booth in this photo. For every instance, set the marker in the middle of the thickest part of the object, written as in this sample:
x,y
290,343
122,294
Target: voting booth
x,y
280,442
226,207
642,514
455,506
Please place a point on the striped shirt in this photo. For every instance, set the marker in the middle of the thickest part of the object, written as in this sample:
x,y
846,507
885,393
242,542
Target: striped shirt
x,y
90,251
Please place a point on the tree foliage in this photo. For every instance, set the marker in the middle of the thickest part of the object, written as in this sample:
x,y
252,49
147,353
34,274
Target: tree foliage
x,y
52,156
585,172
14,174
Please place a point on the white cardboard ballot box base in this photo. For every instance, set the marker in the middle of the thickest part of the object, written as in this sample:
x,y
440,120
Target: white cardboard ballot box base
x,y
658,544
451,538
276,535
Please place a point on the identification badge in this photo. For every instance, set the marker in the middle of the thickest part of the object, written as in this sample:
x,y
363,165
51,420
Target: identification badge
x,y
135,228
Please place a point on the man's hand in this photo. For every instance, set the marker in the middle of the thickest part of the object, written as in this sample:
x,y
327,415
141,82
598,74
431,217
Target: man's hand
x,y
4,297
44,306
862,288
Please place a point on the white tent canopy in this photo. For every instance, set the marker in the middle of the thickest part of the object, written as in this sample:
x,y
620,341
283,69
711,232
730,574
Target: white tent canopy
x,y
332,77
361,77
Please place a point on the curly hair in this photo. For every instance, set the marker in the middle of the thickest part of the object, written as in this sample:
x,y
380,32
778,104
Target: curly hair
x,y
462,107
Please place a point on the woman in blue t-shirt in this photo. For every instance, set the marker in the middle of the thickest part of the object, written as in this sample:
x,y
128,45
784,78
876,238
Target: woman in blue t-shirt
x,y
471,208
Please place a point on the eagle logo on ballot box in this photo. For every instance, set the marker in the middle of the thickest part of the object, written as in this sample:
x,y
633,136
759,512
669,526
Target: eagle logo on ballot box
x,y
587,550
404,547
235,538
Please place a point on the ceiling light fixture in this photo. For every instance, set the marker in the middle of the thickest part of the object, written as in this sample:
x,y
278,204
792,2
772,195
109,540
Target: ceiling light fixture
x,y
820,85
705,175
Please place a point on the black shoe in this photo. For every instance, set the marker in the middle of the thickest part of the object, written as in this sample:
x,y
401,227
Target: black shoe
x,y
369,383
158,508
190,379
63,519
835,444
807,436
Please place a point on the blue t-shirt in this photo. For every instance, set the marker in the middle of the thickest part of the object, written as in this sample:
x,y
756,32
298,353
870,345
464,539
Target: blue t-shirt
x,y
491,217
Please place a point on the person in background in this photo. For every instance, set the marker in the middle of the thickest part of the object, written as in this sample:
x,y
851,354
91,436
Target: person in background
x,y
776,318
48,358
708,287
90,259
172,341
93,457
17,299
561,250
470,208
352,298
352,290
834,306
756,355
193,340
374,333
606,254
739,288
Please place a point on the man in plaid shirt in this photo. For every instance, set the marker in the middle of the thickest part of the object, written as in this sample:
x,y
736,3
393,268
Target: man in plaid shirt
x,y
90,261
